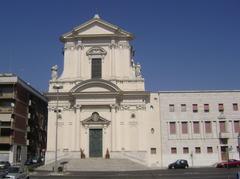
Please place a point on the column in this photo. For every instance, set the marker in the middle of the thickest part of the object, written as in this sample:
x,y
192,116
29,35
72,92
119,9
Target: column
x,y
113,127
77,128
112,47
79,58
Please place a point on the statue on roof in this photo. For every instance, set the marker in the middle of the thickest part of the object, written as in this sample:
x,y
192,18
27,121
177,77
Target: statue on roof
x,y
138,72
54,71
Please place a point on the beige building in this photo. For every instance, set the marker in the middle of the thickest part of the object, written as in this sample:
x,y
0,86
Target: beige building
x,y
103,106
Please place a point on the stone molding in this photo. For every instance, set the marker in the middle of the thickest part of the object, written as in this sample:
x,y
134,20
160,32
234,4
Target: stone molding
x,y
95,119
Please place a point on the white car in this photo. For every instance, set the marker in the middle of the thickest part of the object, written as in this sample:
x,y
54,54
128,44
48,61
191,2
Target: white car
x,y
17,172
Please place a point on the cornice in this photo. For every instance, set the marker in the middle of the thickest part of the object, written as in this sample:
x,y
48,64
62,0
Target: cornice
x,y
118,32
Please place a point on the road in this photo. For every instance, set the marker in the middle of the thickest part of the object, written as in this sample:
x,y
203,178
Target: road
x,y
195,173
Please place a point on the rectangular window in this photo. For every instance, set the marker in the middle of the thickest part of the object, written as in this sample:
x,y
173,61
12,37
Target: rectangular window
x,y
220,107
5,123
185,150
6,103
236,126
206,107
208,127
197,150
5,132
172,127
224,141
5,147
222,125
209,150
183,107
153,151
184,127
171,107
235,107
195,107
196,127
173,150
96,68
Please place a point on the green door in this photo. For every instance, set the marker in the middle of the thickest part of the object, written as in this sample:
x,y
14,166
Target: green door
x,y
95,142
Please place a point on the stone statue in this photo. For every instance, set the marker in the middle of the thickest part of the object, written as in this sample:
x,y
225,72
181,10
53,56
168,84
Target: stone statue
x,y
54,71
138,70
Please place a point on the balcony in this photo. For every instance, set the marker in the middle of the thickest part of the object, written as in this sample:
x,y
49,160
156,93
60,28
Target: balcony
x,y
6,109
6,95
225,135
5,140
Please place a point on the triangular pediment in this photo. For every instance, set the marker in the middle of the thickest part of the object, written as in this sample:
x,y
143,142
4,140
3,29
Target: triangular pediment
x,y
96,27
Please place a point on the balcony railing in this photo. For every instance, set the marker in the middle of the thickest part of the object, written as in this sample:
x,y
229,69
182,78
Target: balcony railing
x,y
6,95
5,139
6,109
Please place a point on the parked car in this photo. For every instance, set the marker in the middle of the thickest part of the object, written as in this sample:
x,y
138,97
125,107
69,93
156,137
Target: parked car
x,y
28,162
228,164
36,161
179,164
17,172
4,165
3,173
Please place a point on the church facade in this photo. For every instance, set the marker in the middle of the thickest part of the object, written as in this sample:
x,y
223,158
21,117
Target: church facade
x,y
102,109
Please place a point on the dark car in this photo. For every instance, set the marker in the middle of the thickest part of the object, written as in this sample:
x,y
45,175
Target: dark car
x,y
229,164
17,172
179,164
4,165
28,162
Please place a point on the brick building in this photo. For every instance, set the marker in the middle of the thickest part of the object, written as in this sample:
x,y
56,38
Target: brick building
x,y
23,120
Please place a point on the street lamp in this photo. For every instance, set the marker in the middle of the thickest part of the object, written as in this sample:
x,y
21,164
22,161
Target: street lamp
x,y
57,87
239,144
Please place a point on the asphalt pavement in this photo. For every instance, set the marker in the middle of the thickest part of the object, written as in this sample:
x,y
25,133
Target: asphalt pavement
x,y
191,173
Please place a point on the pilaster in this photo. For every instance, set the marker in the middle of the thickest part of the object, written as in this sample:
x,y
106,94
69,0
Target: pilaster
x,y
77,128
113,127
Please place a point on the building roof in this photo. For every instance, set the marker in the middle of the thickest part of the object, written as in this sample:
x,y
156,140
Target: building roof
x,y
10,78
200,91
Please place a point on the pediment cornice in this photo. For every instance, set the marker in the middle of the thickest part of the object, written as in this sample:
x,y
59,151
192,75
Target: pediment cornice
x,y
116,31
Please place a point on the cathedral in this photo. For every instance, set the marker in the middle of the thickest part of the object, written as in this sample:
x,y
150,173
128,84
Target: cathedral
x,y
98,107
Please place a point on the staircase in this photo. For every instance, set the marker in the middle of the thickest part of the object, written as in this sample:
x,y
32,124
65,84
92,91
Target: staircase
x,y
97,164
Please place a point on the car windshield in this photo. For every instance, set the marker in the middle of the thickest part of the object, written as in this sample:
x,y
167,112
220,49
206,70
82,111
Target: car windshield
x,y
13,170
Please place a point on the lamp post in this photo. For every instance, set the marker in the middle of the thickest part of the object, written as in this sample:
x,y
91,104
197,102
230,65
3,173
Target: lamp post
x,y
239,144
57,87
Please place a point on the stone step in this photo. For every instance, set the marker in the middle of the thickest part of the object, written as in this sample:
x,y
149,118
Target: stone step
x,y
98,164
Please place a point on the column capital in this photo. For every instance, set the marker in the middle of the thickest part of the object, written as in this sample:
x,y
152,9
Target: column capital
x,y
113,106
77,106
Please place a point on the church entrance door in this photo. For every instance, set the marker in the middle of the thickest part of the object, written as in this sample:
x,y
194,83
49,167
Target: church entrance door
x,y
95,142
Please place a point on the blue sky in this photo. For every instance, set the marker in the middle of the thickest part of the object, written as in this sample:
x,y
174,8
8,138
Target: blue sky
x,y
181,44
